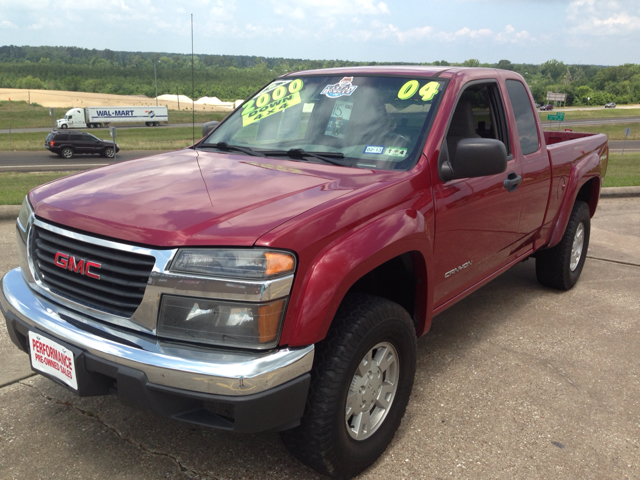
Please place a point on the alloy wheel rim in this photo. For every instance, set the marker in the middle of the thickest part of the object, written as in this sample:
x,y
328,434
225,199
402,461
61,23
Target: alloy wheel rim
x,y
372,392
576,248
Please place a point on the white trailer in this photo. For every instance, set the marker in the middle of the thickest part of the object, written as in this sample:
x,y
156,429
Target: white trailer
x,y
94,117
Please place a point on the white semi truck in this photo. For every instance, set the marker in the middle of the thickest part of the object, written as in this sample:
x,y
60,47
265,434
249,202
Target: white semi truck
x,y
95,117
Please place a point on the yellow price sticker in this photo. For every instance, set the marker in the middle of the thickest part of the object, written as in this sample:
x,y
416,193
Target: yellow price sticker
x,y
250,116
427,92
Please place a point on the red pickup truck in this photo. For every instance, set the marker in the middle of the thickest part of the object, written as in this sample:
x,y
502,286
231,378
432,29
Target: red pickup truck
x,y
276,275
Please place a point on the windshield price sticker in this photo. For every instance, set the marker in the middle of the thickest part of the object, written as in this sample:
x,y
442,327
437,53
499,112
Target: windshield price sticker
x,y
427,92
343,87
339,119
395,151
272,102
52,358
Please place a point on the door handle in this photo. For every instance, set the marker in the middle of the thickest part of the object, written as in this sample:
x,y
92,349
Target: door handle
x,y
512,181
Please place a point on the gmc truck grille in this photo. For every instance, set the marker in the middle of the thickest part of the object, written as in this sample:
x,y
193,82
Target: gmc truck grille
x,y
102,278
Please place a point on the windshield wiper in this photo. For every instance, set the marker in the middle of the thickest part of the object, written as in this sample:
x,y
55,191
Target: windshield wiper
x,y
299,153
232,148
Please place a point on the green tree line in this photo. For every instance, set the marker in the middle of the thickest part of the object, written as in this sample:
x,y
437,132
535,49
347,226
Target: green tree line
x,y
230,77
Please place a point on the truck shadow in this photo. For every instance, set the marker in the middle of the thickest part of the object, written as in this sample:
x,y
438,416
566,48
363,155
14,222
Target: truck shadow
x,y
200,452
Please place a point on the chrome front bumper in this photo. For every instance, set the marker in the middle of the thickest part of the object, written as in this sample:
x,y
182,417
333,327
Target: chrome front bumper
x,y
196,369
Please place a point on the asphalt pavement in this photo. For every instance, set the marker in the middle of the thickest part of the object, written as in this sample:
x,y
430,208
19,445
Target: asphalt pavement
x,y
32,161
515,381
44,161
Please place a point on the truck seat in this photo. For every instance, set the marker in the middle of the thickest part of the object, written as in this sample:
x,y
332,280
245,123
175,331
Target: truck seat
x,y
462,126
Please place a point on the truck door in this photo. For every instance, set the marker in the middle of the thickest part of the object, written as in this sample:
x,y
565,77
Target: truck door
x,y
536,168
77,119
476,218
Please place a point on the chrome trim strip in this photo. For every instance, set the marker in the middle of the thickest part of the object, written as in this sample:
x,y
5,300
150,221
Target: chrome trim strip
x,y
204,370
161,281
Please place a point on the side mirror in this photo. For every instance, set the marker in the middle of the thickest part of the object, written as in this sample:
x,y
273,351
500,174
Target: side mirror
x,y
207,127
473,157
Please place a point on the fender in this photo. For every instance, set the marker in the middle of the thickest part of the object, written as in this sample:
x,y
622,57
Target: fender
x,y
350,257
577,178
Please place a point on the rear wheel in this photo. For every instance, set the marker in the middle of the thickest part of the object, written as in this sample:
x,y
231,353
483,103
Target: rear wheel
x,y
361,382
560,267
66,152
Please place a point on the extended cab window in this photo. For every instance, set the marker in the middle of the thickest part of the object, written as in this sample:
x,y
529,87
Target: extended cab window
x,y
525,120
365,122
479,113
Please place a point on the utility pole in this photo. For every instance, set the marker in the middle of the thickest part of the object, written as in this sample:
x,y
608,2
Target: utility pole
x,y
155,81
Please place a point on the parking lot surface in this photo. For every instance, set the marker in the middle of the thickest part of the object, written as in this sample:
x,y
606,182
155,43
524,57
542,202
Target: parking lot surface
x,y
515,381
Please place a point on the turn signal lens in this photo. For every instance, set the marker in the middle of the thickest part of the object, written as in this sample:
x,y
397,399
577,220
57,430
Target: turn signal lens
x,y
278,263
269,320
235,263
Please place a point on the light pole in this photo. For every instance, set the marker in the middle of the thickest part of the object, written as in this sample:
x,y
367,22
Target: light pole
x,y
155,81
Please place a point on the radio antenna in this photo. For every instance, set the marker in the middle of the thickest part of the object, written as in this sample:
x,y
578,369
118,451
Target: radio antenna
x,y
193,89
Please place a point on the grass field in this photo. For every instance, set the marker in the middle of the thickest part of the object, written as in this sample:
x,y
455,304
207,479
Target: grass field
x,y
593,114
614,132
14,186
623,171
157,138
23,115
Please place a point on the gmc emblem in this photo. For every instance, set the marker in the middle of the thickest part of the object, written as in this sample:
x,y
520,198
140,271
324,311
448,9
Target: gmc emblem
x,y
76,265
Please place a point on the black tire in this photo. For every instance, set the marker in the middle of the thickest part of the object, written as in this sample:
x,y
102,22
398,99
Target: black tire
x,y
64,127
322,441
554,267
66,152
108,152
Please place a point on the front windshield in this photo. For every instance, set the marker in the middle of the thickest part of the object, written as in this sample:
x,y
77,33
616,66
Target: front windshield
x,y
365,122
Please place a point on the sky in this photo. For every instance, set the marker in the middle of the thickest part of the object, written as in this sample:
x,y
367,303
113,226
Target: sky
x,y
600,32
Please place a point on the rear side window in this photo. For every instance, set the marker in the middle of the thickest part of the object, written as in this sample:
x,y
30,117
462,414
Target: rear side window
x,y
525,120
62,137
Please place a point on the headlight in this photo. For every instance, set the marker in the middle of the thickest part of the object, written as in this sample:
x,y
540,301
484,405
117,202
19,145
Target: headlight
x,y
23,218
247,325
210,317
237,263
25,212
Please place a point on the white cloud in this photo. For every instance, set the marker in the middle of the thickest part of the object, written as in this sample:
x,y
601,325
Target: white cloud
x,y
603,17
300,9
379,30
7,24
223,11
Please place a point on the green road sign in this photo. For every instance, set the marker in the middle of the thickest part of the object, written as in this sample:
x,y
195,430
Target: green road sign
x,y
559,117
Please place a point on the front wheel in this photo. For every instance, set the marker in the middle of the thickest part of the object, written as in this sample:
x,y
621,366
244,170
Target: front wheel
x,y
109,152
66,152
560,267
64,127
361,383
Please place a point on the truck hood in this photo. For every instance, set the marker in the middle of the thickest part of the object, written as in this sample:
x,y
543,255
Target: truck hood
x,y
190,198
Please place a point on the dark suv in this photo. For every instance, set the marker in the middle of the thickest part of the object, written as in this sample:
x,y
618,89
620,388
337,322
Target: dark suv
x,y
67,144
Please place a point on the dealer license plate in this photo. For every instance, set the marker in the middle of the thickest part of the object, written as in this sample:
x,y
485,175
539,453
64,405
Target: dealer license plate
x,y
53,359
